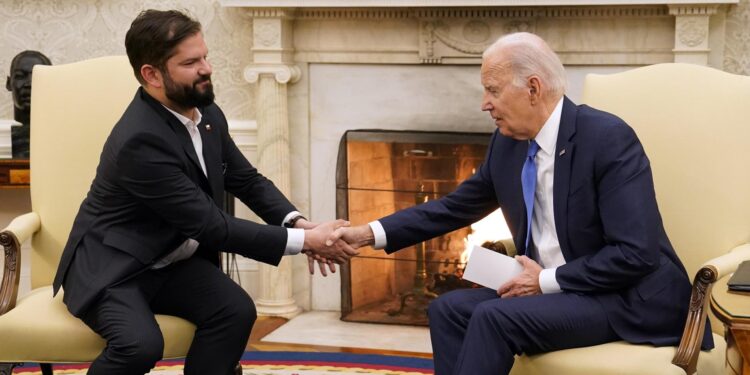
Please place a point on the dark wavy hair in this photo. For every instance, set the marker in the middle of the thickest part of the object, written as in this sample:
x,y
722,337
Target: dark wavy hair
x,y
153,37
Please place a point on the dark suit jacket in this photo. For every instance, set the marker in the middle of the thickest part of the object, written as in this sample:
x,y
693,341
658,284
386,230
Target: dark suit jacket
x,y
606,217
150,194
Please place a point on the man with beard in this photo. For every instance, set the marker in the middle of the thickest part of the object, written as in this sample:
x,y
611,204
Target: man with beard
x,y
19,84
147,235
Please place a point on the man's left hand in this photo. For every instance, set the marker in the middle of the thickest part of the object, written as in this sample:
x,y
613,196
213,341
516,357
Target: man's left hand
x,y
526,283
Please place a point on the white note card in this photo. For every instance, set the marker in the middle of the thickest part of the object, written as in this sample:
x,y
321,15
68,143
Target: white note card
x,y
490,269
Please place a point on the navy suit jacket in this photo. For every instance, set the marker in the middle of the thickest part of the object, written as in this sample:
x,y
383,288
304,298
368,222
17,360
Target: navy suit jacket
x,y
150,194
607,221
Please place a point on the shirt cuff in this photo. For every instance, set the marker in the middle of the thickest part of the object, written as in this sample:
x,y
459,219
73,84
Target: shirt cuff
x,y
289,217
379,234
548,281
295,239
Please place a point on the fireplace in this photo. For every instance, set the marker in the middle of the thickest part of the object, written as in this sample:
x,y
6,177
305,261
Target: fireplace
x,y
379,172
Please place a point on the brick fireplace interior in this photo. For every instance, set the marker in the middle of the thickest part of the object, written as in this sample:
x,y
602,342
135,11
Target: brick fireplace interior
x,y
379,172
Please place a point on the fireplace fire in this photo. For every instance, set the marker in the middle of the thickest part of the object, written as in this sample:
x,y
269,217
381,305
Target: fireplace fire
x,y
380,172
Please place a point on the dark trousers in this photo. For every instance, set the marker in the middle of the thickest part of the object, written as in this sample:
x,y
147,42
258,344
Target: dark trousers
x,y
192,289
475,332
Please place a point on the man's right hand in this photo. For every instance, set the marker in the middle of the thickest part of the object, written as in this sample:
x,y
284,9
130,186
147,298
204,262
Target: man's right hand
x,y
356,237
318,242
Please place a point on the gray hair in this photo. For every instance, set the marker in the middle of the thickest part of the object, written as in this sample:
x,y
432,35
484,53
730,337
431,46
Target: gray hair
x,y
527,55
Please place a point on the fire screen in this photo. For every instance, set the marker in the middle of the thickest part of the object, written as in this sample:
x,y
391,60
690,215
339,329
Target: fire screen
x,y
379,172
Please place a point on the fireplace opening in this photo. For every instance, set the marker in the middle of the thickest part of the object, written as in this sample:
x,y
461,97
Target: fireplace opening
x,y
380,172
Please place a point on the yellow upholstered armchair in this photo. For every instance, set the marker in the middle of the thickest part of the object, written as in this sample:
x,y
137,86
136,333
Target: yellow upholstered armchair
x,y
74,109
694,123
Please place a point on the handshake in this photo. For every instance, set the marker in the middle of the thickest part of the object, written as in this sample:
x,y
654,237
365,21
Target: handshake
x,y
332,242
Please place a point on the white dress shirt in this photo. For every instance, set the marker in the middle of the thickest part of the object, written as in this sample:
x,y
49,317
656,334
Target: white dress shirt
x,y
295,237
546,247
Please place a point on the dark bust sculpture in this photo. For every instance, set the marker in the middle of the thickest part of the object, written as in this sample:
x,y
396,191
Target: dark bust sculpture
x,y
19,83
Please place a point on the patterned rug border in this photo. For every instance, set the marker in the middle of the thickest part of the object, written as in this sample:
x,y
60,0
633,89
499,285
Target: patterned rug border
x,y
294,361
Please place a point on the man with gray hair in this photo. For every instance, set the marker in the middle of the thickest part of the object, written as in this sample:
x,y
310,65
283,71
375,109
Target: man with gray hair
x,y
576,190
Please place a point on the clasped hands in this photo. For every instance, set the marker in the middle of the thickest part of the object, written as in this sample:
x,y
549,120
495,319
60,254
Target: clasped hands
x,y
332,242
346,239
350,238
320,246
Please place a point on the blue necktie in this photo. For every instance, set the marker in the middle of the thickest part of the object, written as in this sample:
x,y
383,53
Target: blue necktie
x,y
528,184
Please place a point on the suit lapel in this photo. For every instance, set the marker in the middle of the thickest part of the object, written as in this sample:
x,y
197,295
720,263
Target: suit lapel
x,y
563,161
212,156
180,131
187,145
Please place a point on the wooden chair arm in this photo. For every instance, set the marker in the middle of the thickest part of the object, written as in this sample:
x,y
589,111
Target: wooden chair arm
x,y
11,238
695,326
11,272
728,263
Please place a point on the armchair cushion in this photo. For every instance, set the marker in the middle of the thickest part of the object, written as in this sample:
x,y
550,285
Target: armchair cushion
x,y
43,330
626,358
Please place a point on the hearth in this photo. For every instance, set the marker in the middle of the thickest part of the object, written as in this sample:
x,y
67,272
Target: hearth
x,y
379,172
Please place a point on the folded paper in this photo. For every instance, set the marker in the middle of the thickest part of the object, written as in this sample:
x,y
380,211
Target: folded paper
x,y
490,269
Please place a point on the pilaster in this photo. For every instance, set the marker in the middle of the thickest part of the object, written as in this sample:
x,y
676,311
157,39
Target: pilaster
x,y
271,71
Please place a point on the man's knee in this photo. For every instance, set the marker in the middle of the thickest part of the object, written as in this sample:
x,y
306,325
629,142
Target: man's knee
x,y
502,322
247,311
437,310
445,306
150,350
489,314
241,310
140,352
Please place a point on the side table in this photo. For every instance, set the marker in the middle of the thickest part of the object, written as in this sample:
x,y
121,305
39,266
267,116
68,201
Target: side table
x,y
733,309
14,173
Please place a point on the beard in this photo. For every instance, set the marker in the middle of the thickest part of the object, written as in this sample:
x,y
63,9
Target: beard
x,y
189,96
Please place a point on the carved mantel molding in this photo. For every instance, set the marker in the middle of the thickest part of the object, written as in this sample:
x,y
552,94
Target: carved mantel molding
x,y
582,32
282,73
692,29
449,3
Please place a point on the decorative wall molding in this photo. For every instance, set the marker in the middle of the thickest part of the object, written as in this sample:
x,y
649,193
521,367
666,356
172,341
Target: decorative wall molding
x,y
271,13
451,3
692,32
281,72
267,34
272,38
640,11
594,33
244,134
467,36
693,9
692,29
